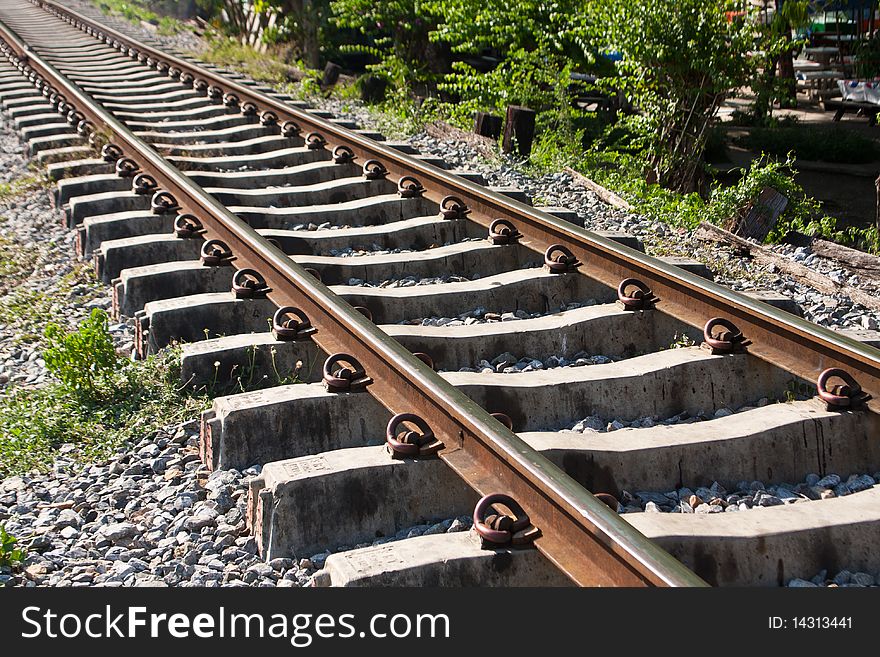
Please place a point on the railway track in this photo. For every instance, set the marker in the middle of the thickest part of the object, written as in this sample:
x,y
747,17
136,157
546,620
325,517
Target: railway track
x,y
401,298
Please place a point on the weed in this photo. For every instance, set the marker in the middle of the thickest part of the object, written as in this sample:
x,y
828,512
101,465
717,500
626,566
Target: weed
x,y
681,341
99,403
9,554
798,390
28,308
134,11
83,359
269,67
22,185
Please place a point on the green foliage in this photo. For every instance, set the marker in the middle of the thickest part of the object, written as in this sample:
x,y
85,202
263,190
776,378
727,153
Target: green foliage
x,y
557,28
542,44
523,78
397,37
681,341
864,239
680,60
83,359
832,144
261,66
136,11
9,554
139,398
619,171
775,42
802,213
866,62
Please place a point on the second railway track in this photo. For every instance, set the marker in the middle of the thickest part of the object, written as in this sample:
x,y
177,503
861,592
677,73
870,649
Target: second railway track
x,y
218,211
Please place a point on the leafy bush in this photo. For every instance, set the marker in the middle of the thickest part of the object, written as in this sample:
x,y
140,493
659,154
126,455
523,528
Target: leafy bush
x,y
397,35
620,172
812,143
9,554
83,359
680,60
802,213
539,43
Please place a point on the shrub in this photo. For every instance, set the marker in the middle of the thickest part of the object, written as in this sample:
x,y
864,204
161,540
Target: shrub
x,y
397,35
680,60
802,213
83,359
100,401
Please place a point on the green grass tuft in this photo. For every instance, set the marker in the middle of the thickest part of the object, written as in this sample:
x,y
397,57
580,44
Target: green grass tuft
x,y
99,403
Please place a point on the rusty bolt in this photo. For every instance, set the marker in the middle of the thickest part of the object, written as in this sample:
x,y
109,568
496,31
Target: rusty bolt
x,y
403,442
374,170
343,373
249,284
496,529
126,167
342,154
504,419
290,129
315,141
453,208
841,396
409,187
560,260
633,294
609,500
289,323
364,311
501,231
725,341
143,183
215,253
163,203
187,226
425,358
111,152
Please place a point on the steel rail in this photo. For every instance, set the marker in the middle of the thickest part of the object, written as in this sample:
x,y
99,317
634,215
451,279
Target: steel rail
x,y
587,541
792,343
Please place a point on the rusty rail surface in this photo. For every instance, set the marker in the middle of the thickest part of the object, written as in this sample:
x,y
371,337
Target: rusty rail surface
x,y
579,534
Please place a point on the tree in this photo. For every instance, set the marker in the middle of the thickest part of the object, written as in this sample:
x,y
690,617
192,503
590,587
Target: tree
x,y
539,44
679,60
398,31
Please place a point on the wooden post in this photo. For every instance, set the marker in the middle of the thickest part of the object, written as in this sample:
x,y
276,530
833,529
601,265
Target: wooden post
x,y
487,125
520,124
372,88
331,74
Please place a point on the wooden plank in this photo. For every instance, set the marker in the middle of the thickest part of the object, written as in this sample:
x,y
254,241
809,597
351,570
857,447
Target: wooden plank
x,y
604,194
760,217
797,271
